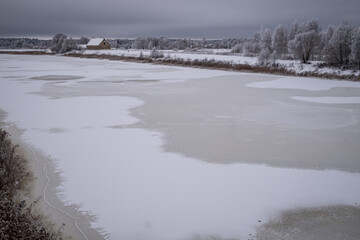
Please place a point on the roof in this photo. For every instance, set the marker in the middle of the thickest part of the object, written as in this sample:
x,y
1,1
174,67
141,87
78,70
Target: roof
x,y
95,42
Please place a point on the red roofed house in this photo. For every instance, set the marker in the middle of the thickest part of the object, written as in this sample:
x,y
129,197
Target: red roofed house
x,y
97,44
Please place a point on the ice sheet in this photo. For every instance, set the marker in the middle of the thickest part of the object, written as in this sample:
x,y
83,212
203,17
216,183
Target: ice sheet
x,y
310,84
122,174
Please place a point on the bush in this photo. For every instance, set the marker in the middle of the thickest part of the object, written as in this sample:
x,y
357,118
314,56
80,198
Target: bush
x,y
156,54
13,172
16,221
264,57
61,44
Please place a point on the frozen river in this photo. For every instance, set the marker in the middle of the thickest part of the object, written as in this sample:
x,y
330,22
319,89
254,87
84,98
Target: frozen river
x,y
164,153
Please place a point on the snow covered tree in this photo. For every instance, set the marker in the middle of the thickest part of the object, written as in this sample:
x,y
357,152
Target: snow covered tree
x,y
61,44
248,49
84,40
264,56
312,25
150,45
266,40
280,40
238,48
355,49
19,43
181,44
324,39
294,29
306,41
323,42
339,48
139,43
330,32
68,45
156,54
253,46
257,37
163,41
203,43
303,45
57,42
251,49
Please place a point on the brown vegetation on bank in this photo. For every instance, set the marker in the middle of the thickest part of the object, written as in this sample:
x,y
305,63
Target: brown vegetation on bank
x,y
17,220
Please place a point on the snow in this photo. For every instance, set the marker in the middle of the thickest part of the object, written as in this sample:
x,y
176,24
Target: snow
x,y
82,46
95,42
309,84
178,55
122,174
329,100
225,55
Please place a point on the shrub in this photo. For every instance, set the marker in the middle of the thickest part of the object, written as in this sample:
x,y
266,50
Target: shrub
x,y
156,54
16,221
13,172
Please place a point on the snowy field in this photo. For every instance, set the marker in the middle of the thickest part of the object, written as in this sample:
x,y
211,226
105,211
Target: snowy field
x,y
225,55
165,153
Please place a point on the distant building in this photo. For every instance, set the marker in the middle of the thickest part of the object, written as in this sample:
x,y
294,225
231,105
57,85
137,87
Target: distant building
x,y
97,44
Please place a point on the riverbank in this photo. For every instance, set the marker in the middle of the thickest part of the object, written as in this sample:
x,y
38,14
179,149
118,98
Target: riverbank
x,y
19,217
42,214
276,69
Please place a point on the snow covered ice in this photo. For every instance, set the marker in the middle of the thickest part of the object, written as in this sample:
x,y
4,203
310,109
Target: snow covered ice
x,y
159,152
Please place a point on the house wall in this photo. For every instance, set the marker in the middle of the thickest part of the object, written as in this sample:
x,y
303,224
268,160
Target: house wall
x,y
103,45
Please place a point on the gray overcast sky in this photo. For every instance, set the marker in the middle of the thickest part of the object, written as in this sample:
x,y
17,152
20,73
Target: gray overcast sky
x,y
171,18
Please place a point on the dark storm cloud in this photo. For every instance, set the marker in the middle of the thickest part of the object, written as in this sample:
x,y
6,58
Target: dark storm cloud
x,y
185,18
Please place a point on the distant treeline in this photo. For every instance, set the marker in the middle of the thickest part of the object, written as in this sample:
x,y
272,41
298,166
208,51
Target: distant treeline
x,y
24,43
33,43
161,43
336,45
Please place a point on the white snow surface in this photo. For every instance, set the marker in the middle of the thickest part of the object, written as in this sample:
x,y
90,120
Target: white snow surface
x,y
178,55
123,176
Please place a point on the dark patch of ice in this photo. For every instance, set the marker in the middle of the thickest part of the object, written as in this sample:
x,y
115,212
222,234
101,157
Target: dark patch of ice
x,y
57,77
